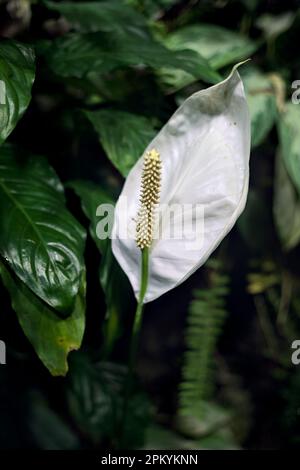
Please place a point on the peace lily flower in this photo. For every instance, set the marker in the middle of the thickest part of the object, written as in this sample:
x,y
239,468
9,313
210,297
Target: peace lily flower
x,y
200,158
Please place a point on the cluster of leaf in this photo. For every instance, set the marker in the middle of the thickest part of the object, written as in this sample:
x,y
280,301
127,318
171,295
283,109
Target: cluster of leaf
x,y
41,243
104,76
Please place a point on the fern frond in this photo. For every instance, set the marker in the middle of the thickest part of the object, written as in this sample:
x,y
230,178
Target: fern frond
x,y
206,316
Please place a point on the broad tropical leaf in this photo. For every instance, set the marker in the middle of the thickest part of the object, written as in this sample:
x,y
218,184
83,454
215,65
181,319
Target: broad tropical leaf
x,y
218,45
41,241
106,16
52,337
78,54
17,71
123,136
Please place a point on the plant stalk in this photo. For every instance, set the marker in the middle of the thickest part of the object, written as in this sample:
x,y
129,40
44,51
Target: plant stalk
x,y
135,334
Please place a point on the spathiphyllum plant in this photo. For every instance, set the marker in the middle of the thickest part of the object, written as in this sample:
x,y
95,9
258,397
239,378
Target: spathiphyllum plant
x,y
197,168
124,164
199,159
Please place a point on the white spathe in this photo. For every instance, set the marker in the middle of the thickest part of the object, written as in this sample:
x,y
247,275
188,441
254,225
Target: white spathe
x,y
204,148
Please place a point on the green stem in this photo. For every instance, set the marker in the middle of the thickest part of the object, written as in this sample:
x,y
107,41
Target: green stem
x,y
137,322
139,310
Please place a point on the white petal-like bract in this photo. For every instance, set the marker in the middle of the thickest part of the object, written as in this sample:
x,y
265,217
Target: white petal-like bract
x,y
204,149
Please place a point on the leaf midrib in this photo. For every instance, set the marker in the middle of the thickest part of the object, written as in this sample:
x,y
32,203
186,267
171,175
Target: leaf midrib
x,y
20,208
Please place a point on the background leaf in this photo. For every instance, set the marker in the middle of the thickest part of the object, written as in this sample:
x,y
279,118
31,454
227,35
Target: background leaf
x,y
123,136
289,138
262,105
219,46
177,78
52,337
100,16
76,55
42,242
56,434
286,207
95,397
113,280
274,25
17,71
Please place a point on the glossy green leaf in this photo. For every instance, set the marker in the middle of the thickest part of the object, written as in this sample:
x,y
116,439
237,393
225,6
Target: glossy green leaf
x,y
123,136
52,337
114,282
17,71
289,137
99,16
78,54
41,241
286,207
262,105
219,46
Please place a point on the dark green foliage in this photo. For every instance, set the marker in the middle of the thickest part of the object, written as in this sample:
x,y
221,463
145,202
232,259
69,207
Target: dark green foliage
x,y
84,87
40,240
17,71
132,131
52,337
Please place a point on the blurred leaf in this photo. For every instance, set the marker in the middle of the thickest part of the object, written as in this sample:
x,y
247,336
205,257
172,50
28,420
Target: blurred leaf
x,y
289,139
39,238
100,16
78,54
274,25
262,105
219,46
47,428
152,8
124,136
52,337
114,282
177,79
96,398
17,71
286,207
92,196
213,417
160,438
258,283
251,5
